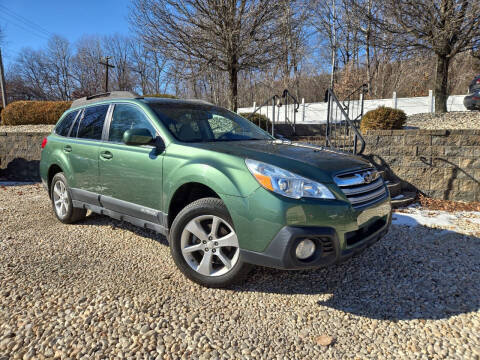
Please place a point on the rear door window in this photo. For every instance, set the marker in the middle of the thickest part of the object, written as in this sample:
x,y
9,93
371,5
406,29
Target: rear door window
x,y
91,126
63,128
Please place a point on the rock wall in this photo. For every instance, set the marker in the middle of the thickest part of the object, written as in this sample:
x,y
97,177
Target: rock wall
x,y
443,164
20,155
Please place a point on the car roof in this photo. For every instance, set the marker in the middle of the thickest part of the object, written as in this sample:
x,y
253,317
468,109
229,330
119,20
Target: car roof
x,y
126,95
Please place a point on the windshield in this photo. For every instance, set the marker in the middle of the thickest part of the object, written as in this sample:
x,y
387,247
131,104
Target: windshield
x,y
206,123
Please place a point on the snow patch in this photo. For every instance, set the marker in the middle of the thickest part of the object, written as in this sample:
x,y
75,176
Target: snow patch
x,y
450,221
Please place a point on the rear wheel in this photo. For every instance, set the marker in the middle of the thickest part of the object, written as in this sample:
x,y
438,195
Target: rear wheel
x,y
204,244
62,201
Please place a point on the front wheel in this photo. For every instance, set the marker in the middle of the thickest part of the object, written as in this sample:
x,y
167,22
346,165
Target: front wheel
x,y
204,244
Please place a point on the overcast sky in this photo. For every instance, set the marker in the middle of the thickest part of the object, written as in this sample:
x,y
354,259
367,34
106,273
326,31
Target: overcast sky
x,y
29,23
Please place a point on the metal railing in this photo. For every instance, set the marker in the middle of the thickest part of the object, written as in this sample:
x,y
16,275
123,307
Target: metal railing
x,y
341,132
353,104
290,109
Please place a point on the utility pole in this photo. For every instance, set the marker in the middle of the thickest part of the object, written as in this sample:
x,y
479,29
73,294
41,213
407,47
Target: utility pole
x,y
107,68
3,91
334,44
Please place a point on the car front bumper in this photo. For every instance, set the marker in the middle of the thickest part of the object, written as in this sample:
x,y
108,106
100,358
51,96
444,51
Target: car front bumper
x,y
269,227
280,253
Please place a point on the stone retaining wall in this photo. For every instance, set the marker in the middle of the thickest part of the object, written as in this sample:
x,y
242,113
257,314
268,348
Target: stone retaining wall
x,y
20,155
443,164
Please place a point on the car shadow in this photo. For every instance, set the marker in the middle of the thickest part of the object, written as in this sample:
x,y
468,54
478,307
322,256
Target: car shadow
x,y
101,220
413,273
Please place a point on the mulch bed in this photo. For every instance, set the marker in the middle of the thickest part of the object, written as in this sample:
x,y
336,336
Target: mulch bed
x,y
447,205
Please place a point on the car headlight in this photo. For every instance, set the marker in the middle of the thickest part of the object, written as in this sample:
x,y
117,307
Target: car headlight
x,y
285,183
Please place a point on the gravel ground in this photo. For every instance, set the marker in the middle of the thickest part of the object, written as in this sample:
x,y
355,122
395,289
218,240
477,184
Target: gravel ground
x,y
452,120
26,128
103,288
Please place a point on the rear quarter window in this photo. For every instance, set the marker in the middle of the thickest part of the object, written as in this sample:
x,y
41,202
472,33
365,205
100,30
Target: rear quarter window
x,y
63,128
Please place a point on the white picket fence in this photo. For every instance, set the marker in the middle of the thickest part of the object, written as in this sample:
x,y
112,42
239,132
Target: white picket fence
x,y
317,112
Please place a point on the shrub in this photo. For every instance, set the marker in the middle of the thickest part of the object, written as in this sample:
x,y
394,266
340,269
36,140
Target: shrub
x,y
259,120
34,112
168,96
383,118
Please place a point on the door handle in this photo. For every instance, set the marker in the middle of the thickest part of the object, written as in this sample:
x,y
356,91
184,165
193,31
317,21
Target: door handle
x,y
67,148
106,155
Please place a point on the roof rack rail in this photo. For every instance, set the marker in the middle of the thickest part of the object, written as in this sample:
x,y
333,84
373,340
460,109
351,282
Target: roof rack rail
x,y
110,95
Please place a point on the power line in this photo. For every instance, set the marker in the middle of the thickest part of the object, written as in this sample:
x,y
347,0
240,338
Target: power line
x,y
29,30
34,26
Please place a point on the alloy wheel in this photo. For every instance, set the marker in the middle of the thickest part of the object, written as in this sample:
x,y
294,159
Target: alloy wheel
x,y
209,245
60,199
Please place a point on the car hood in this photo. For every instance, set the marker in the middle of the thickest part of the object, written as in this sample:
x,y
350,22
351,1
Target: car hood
x,y
314,162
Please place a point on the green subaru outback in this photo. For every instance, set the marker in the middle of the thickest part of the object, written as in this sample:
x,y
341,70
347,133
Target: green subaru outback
x,y
225,193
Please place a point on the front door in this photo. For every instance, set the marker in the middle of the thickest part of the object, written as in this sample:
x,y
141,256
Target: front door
x,y
131,176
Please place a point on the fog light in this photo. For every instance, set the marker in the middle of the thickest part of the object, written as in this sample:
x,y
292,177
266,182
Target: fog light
x,y
305,249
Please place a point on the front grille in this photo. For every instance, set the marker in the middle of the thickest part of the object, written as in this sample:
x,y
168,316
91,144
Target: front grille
x,y
358,190
354,237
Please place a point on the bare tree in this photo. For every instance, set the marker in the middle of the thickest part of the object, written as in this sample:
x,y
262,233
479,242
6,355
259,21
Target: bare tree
x,y
326,19
59,63
119,48
31,67
86,70
293,39
444,27
226,35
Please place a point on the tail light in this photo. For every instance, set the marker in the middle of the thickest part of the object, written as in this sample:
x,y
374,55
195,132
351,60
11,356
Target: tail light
x,y
44,142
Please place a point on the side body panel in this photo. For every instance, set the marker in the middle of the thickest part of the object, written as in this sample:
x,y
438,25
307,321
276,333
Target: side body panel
x,y
83,161
133,174
78,159
225,174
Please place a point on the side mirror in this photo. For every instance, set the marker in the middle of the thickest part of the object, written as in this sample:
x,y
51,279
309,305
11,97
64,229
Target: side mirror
x,y
159,145
137,137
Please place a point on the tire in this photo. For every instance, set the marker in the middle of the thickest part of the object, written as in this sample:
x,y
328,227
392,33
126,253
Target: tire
x,y
61,195
209,258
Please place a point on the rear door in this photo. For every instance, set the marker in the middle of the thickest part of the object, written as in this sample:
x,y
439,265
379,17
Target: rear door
x,y
83,149
131,176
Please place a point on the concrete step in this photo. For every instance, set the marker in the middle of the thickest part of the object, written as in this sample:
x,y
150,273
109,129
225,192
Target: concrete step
x,y
395,188
404,199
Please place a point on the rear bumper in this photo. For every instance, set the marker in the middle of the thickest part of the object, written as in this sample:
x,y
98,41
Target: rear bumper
x,y
280,253
470,103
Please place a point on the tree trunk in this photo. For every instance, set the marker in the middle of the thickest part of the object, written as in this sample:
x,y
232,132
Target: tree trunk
x,y
368,40
233,83
441,82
